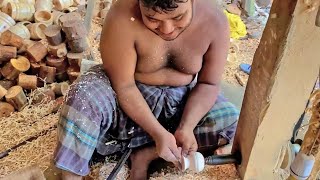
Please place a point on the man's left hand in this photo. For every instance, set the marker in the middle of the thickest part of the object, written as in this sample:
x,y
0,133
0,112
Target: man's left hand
x,y
186,139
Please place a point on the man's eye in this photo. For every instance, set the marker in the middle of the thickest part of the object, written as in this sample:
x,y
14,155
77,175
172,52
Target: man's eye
x,y
152,20
177,18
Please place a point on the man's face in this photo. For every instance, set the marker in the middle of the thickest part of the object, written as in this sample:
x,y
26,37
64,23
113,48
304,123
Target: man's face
x,y
168,25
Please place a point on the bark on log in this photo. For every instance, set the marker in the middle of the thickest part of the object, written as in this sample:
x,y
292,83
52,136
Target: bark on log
x,y
53,34
59,50
8,38
16,97
7,53
79,45
48,73
28,81
37,52
59,63
16,66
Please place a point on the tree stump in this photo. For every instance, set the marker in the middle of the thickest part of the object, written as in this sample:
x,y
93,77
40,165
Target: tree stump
x,y
16,97
28,81
3,92
7,53
13,68
37,51
5,109
60,88
59,63
59,50
8,38
48,73
53,34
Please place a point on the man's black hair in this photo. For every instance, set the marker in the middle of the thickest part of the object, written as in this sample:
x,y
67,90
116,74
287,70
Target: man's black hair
x,y
162,5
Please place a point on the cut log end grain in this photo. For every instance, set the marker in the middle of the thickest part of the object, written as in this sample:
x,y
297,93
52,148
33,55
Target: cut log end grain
x,y
16,97
7,53
6,109
73,16
11,39
60,89
37,51
13,68
53,34
3,92
48,73
59,50
28,81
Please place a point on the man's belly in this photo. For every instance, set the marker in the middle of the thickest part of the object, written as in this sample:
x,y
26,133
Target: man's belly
x,y
164,77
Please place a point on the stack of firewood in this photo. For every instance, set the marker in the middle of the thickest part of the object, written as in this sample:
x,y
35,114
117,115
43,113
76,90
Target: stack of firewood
x,y
52,61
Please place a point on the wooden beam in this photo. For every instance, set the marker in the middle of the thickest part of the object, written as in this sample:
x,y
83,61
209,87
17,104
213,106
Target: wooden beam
x,y
284,70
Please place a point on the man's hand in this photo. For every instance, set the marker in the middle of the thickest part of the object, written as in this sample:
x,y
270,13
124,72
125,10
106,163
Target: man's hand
x,y
167,148
186,139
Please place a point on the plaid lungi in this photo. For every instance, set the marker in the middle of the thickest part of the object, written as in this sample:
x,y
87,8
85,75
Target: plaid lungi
x,y
91,118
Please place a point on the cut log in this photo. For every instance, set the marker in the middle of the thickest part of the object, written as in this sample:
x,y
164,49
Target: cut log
x,y
28,81
16,97
3,92
79,45
26,44
53,34
74,30
7,53
73,16
7,84
5,109
60,88
48,73
8,38
59,63
73,74
36,31
43,96
35,68
61,77
13,68
37,51
59,50
74,59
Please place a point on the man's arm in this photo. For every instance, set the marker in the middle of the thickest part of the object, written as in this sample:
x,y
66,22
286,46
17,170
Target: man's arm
x,y
204,94
119,56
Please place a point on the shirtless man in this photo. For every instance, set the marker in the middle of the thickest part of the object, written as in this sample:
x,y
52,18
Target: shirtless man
x,y
158,88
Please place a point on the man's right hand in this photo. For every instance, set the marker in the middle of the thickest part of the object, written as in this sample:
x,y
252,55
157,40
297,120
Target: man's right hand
x,y
167,148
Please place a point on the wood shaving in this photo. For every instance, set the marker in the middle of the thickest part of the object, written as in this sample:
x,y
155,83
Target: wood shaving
x,y
38,152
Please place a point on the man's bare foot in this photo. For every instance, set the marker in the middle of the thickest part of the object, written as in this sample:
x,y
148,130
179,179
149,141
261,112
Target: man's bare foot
x,y
140,161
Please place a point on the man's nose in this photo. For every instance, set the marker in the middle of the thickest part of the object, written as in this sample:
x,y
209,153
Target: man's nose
x,y
166,27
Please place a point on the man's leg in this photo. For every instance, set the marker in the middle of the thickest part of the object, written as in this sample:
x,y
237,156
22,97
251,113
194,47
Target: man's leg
x,y
88,110
217,128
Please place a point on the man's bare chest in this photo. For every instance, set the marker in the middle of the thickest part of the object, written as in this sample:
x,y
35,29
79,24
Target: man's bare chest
x,y
156,55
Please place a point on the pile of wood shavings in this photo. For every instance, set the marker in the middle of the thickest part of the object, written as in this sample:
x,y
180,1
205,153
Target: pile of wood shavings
x,y
37,152
223,172
101,171
25,124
